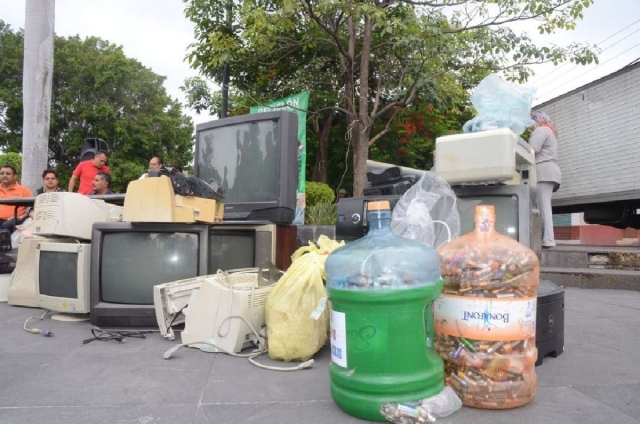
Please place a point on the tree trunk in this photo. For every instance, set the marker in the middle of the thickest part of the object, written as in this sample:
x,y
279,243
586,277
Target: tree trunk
x,y
360,156
320,169
37,80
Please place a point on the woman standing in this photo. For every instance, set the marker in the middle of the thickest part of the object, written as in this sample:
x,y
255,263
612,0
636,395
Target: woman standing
x,y
545,145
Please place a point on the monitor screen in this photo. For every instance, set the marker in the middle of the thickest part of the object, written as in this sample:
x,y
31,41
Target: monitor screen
x,y
58,274
506,213
231,250
243,159
133,262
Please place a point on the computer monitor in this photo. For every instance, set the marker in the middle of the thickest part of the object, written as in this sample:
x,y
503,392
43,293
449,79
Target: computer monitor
x,y
22,291
517,215
70,214
62,277
239,245
254,158
127,260
214,312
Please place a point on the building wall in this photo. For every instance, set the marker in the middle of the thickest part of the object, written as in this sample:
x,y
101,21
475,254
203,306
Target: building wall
x,y
571,229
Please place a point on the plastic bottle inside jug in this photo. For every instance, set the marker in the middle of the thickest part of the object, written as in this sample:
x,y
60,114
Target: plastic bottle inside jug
x,y
382,260
485,319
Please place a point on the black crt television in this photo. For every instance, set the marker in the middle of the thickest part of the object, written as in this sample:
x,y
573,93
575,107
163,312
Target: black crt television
x,y
254,158
241,245
517,215
127,260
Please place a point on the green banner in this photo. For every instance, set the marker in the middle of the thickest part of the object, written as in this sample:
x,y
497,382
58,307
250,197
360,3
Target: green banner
x,y
297,103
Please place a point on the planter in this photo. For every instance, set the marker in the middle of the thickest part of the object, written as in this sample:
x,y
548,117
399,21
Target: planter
x,y
307,233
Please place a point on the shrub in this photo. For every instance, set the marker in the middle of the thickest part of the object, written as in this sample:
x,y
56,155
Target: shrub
x,y
318,193
323,213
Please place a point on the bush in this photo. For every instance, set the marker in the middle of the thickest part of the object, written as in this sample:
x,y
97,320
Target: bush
x,y
324,213
318,193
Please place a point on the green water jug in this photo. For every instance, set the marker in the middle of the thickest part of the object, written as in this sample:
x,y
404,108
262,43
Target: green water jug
x,y
381,289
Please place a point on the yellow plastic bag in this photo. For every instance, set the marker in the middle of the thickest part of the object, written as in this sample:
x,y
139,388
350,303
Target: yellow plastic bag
x,y
297,319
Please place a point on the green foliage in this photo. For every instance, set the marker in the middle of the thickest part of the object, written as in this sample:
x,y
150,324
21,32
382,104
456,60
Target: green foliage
x,y
97,92
318,193
14,159
370,60
323,213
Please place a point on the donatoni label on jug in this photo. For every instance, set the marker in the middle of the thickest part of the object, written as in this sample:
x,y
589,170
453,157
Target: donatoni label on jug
x,y
338,339
485,318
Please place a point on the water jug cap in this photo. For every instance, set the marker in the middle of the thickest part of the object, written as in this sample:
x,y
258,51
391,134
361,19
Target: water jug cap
x,y
379,205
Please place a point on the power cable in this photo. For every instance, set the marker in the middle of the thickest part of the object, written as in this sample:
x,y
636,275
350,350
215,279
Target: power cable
x,y
545,76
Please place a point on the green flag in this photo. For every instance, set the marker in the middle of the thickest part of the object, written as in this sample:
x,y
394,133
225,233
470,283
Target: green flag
x,y
297,103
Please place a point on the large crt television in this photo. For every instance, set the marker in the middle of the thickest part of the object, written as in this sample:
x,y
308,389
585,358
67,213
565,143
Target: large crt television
x,y
62,277
240,245
254,158
127,260
517,215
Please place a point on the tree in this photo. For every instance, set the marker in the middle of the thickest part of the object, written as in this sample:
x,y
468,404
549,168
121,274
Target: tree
x,y
382,53
97,92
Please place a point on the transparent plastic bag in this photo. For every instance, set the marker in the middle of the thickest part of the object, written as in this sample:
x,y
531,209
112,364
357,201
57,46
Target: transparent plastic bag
x,y
500,104
441,405
296,314
429,200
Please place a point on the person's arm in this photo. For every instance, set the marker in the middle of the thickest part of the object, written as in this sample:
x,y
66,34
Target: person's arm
x,y
72,183
537,139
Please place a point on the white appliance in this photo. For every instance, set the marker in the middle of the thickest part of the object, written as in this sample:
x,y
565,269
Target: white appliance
x,y
170,299
495,156
22,291
70,214
227,311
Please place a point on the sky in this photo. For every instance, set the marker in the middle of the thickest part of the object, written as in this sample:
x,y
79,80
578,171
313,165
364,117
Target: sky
x,y
156,33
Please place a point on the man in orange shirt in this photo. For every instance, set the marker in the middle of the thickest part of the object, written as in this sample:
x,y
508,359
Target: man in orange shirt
x,y
86,171
9,188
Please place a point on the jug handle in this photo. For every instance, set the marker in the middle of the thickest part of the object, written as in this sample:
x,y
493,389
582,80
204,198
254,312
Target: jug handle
x,y
448,229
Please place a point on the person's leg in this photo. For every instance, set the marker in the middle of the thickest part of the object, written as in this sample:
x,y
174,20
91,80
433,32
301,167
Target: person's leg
x,y
9,224
545,190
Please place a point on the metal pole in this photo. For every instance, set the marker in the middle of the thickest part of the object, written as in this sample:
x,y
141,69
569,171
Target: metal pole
x,y
36,89
225,69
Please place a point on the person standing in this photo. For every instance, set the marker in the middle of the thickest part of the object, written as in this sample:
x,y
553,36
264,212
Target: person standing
x,y
154,163
9,188
545,145
49,182
86,172
101,183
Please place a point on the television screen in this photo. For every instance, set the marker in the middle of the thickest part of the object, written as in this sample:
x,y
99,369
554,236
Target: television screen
x,y
243,159
231,250
254,158
58,274
506,213
133,262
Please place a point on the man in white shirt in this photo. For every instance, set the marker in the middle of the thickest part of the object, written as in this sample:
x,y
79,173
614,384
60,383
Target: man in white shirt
x,y
154,163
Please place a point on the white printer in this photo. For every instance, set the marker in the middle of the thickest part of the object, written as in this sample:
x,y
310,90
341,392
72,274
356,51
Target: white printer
x,y
488,157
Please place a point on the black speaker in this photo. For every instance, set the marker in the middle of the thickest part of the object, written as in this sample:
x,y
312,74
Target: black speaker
x,y
91,146
549,320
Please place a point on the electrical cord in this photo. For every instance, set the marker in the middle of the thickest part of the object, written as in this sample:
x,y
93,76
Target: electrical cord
x,y
43,331
261,340
121,336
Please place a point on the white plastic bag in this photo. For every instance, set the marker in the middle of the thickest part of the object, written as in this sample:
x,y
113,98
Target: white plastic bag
x,y
430,199
500,104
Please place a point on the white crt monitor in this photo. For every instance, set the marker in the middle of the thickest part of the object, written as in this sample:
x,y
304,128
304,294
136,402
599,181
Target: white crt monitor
x,y
63,277
22,291
69,214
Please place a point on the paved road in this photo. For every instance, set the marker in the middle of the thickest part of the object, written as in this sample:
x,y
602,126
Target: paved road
x,y
58,380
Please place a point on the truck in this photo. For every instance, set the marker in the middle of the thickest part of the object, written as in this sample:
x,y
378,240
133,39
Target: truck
x,y
598,128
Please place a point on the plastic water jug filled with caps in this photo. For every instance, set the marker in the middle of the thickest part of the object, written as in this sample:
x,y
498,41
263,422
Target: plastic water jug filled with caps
x,y
485,319
381,289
